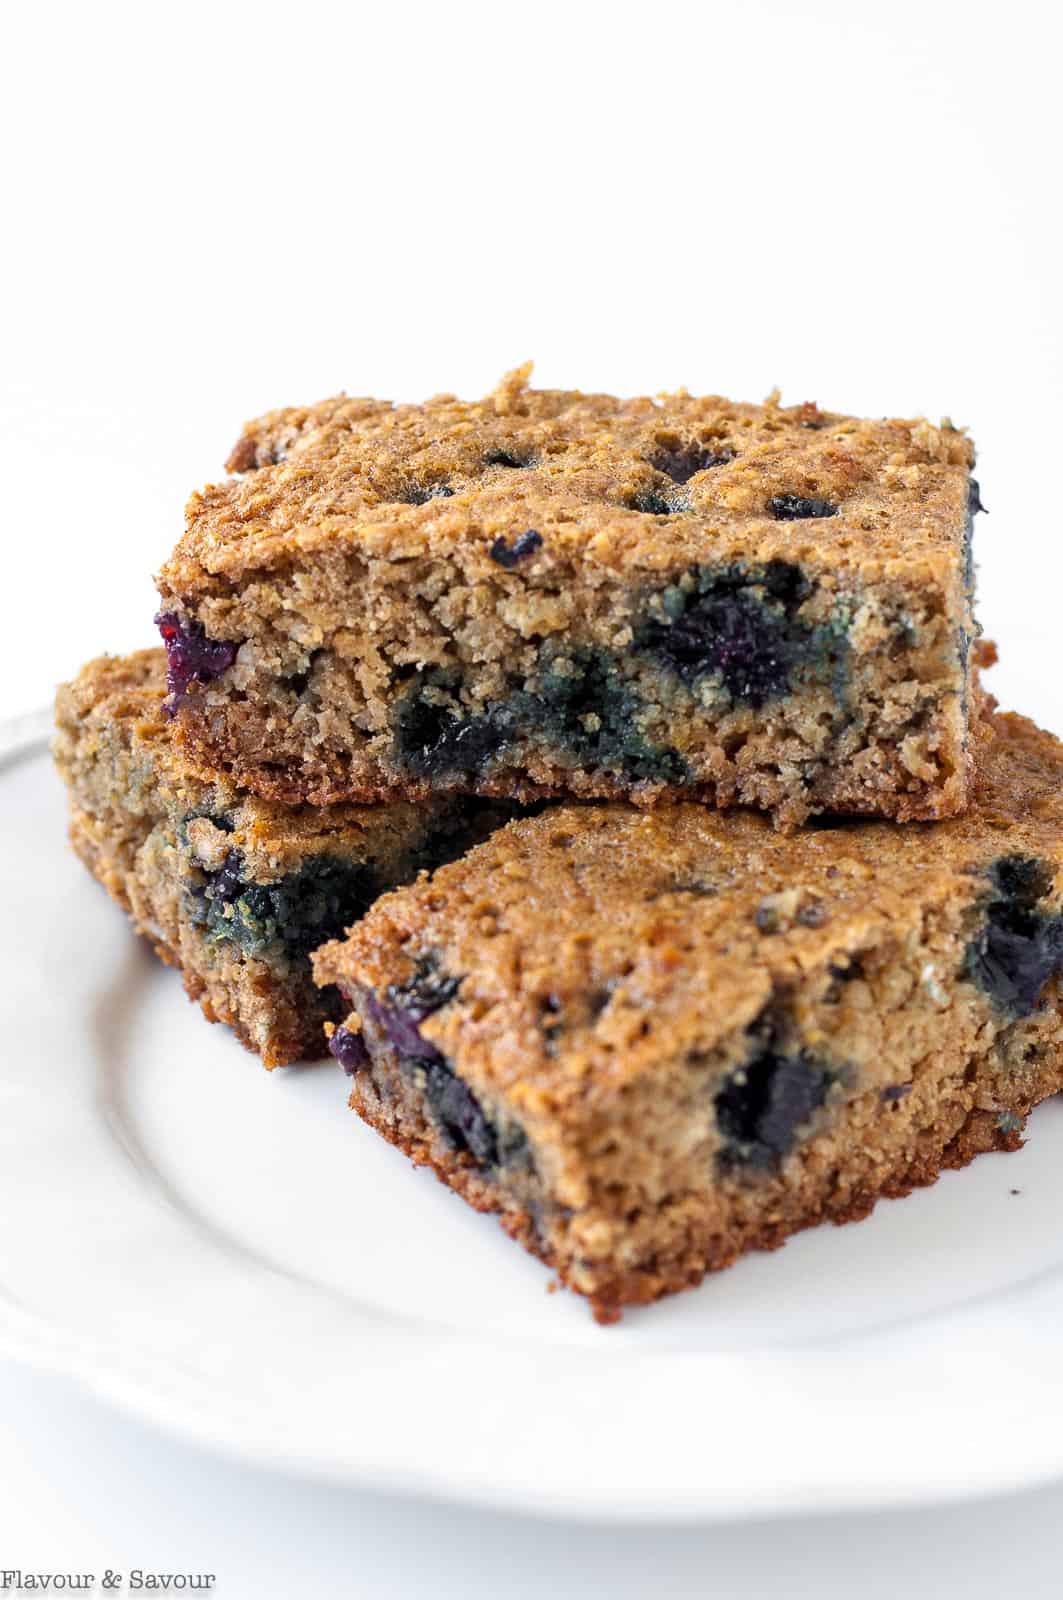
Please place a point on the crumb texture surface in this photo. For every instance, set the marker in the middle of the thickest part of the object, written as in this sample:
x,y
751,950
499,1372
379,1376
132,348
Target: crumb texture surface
x,y
696,1035
235,890
547,593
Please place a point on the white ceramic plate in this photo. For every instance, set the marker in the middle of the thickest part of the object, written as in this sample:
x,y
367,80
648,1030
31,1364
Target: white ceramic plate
x,y
231,1254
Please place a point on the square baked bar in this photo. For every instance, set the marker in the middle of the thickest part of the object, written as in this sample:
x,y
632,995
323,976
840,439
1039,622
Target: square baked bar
x,y
234,890
551,593
655,1040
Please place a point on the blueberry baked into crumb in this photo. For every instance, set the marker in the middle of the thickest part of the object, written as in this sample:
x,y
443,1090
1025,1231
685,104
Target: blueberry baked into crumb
x,y
654,1040
547,594
234,890
373,798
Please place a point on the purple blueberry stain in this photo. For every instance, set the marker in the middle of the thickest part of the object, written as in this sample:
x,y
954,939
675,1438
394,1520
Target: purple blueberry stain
x,y
191,657
401,1027
406,1007
745,627
508,555
455,1108
349,1050
736,628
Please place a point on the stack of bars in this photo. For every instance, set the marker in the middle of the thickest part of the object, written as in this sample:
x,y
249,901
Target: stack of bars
x,y
609,784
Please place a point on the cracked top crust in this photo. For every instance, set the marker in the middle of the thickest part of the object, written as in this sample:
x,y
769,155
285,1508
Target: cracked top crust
x,y
632,485
643,936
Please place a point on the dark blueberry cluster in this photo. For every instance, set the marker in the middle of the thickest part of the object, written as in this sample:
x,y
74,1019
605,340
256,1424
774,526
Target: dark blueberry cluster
x,y
228,882
794,507
1019,946
525,544
763,1104
734,635
591,713
191,657
588,711
299,911
408,1004
685,460
349,1050
743,625
433,741
460,1114
450,1100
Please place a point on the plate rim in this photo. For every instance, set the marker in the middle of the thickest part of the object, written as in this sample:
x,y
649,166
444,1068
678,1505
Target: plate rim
x,y
145,1383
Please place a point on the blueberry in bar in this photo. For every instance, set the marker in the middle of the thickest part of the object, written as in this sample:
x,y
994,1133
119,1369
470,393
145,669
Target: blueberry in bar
x,y
655,1040
551,593
234,890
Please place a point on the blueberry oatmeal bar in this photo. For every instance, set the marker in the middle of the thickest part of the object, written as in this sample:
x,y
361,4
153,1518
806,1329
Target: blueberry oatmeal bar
x,y
551,593
234,890
655,1040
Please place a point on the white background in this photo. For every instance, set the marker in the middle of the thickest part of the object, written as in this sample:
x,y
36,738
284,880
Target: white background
x,y
213,209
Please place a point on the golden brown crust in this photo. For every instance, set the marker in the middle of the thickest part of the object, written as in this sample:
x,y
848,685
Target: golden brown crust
x,y
668,911
620,973
325,475
707,1253
362,571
